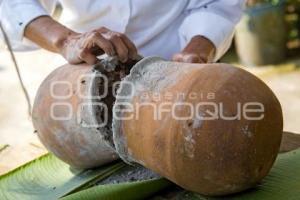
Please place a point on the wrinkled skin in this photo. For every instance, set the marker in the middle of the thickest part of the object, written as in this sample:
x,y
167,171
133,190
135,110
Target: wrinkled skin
x,y
85,47
79,47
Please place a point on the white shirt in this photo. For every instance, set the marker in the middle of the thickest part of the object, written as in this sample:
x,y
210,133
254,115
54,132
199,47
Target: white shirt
x,y
157,27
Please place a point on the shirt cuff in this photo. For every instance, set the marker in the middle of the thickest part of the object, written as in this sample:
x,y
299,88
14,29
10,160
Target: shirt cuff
x,y
33,10
27,10
216,28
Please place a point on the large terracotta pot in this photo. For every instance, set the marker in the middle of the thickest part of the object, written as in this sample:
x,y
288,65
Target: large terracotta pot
x,y
211,128
67,114
195,139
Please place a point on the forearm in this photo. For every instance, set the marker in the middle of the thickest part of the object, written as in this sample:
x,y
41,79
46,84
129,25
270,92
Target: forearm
x,y
47,33
79,47
215,22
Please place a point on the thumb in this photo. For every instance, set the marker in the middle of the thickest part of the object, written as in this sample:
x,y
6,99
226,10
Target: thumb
x,y
187,58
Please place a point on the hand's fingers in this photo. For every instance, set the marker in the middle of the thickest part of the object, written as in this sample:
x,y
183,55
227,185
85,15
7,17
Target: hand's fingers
x,y
88,57
191,58
73,60
177,57
103,30
71,55
132,50
188,58
120,47
102,43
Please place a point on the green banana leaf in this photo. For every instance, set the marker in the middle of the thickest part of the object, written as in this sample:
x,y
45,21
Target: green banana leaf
x,y
124,191
283,183
49,178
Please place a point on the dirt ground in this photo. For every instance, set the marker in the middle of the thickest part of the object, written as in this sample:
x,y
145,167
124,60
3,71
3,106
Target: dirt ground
x,y
15,126
16,129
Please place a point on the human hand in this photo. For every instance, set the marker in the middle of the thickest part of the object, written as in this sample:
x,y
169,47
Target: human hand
x,y
77,48
198,50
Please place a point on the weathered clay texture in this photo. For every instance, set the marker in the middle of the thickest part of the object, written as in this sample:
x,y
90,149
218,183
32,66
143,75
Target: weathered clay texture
x,y
183,121
210,156
76,139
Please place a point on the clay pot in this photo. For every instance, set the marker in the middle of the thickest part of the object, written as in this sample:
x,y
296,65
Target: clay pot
x,y
220,137
211,128
67,119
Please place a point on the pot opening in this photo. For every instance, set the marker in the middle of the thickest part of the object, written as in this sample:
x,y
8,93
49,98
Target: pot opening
x,y
109,73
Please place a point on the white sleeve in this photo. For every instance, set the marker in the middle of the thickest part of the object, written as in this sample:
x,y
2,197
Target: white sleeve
x,y
15,15
214,20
